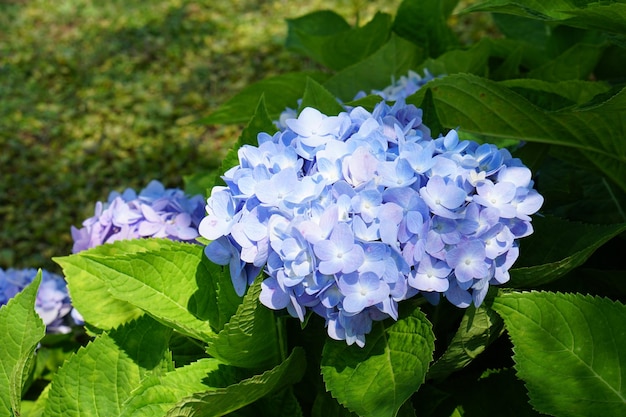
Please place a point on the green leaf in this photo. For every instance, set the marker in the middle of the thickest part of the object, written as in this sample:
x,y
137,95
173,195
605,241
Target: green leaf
x,y
222,401
393,60
377,379
473,61
579,193
89,290
326,406
574,91
429,117
21,329
576,63
316,96
280,92
585,14
260,122
158,393
522,28
171,281
100,377
477,105
250,338
425,24
569,350
494,393
478,329
556,247
342,48
318,23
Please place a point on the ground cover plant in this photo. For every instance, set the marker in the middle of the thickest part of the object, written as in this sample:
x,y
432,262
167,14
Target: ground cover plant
x,y
412,226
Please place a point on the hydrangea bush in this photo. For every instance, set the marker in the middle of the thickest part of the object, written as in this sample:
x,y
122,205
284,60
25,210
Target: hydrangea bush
x,y
459,233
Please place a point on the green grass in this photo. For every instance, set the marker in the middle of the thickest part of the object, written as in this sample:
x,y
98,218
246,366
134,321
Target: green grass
x,y
100,96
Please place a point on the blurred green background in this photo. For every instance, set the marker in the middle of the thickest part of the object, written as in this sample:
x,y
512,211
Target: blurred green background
x,y
98,96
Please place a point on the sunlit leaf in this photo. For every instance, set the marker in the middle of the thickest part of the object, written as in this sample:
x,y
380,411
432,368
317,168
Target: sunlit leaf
x,y
100,376
569,351
377,379
21,329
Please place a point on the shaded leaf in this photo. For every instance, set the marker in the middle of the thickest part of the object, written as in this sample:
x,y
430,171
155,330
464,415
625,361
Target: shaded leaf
x,y
586,14
557,247
377,379
568,350
316,96
478,329
481,106
250,338
425,24
222,401
576,63
21,329
318,23
340,48
393,60
280,92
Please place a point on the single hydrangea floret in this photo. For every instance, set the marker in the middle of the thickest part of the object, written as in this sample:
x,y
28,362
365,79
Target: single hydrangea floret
x,y
154,212
53,302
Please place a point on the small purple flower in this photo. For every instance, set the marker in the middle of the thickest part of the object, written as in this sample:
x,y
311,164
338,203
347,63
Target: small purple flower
x,y
53,303
154,212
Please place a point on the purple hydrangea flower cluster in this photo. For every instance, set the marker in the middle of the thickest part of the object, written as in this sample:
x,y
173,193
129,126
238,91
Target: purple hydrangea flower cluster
x,y
154,212
350,214
53,302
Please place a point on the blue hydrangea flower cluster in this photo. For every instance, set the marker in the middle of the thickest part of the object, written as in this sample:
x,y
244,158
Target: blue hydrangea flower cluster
x,y
154,212
53,302
350,214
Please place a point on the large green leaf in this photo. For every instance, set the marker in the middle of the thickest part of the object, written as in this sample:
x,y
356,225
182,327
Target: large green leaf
x,y
250,338
21,329
477,105
557,247
478,329
472,60
425,23
576,63
100,377
158,393
575,91
319,23
222,401
89,291
341,48
280,92
393,60
586,14
377,379
171,281
569,350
